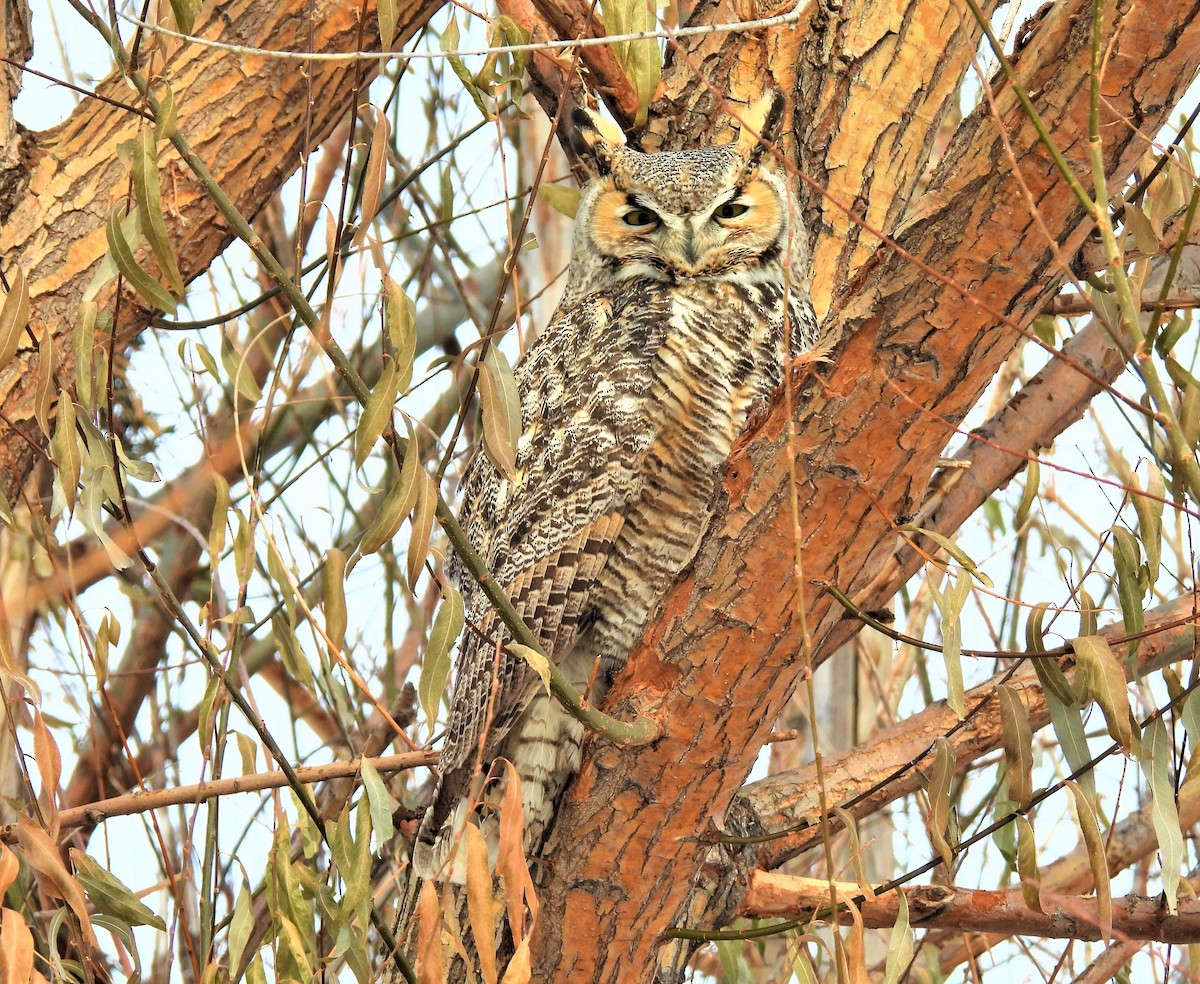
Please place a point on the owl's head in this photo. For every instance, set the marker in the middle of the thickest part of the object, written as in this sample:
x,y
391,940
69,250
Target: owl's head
x,y
715,213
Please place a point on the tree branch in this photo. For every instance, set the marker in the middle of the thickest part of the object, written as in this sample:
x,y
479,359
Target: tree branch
x,y
948,907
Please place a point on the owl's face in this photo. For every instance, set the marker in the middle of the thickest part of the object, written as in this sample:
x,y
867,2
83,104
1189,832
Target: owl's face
x,y
713,213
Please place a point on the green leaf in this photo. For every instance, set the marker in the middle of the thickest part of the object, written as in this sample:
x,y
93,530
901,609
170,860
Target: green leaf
x,y
14,316
149,289
82,344
64,448
422,526
240,926
639,60
1067,719
1018,745
379,801
1033,482
290,651
238,371
400,319
1103,680
950,604
435,667
449,42
900,944
953,549
561,198
220,519
149,201
45,380
1149,508
396,505
500,409
165,118
184,12
941,775
334,605
110,896
1027,864
388,18
377,413
1157,754
1131,579
1094,844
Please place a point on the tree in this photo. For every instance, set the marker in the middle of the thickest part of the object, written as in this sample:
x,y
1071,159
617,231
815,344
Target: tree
x,y
944,249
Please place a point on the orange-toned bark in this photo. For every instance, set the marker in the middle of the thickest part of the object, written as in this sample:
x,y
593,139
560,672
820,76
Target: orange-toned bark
x,y
973,910
728,644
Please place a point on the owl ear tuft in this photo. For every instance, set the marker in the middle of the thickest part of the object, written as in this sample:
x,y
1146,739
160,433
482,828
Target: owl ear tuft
x,y
764,125
590,145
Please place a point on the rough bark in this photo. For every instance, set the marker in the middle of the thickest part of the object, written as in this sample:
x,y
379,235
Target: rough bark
x,y
915,353
975,910
251,118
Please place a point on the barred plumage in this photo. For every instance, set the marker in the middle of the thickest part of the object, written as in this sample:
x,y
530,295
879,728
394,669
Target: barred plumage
x,y
688,277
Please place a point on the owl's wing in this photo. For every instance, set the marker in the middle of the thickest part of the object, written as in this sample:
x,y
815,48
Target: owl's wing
x,y
547,532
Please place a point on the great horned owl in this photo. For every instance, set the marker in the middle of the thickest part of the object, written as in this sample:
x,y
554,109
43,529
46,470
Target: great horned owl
x,y
688,278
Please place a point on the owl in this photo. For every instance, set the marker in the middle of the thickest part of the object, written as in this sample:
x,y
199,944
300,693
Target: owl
x,y
687,284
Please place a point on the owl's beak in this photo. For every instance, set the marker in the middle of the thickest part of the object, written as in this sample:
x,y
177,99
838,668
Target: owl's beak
x,y
690,249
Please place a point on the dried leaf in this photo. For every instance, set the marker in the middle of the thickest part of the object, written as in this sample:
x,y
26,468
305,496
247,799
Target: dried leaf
x,y
479,901
519,970
511,865
14,316
48,758
375,171
431,959
43,857
16,948
1143,231
435,667
539,663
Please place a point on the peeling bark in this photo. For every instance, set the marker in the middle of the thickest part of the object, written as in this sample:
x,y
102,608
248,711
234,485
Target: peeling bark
x,y
914,353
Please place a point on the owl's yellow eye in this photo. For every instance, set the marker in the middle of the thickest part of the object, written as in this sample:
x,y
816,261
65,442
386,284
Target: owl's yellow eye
x,y
640,217
731,210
